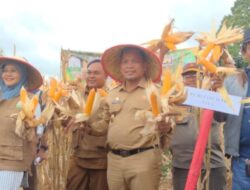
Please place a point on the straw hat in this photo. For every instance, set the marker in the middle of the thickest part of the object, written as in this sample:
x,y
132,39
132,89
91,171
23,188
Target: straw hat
x,y
34,78
111,62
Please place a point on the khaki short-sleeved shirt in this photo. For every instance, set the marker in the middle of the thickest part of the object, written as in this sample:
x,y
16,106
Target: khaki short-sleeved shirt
x,y
90,150
124,130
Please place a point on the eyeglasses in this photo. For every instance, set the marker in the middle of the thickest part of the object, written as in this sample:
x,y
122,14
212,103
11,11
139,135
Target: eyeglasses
x,y
192,75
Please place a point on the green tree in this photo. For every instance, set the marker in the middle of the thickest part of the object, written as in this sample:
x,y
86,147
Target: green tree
x,y
239,17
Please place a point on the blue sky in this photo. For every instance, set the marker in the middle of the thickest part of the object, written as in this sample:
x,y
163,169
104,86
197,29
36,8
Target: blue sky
x,y
39,29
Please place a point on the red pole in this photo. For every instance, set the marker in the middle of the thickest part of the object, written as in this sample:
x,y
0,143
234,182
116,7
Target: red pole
x,y
195,167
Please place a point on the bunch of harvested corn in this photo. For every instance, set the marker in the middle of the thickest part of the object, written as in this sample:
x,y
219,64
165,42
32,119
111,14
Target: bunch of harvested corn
x,y
55,91
90,106
168,40
26,117
52,172
215,46
28,105
163,105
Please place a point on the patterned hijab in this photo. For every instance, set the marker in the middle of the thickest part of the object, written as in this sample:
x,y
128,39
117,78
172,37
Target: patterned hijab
x,y
9,92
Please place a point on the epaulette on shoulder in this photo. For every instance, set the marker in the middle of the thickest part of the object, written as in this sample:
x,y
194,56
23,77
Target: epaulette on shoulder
x,y
114,87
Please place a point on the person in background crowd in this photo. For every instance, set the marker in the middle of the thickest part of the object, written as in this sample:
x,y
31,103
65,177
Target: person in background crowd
x,y
133,159
88,165
184,138
16,153
237,130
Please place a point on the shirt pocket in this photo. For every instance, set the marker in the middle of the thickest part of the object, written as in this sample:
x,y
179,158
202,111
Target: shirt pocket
x,y
115,108
141,106
11,149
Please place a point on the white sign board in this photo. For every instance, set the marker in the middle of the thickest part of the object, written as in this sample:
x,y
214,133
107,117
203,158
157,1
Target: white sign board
x,y
211,100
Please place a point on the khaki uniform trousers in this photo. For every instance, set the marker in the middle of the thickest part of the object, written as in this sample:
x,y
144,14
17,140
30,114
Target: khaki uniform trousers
x,y
217,178
140,171
80,178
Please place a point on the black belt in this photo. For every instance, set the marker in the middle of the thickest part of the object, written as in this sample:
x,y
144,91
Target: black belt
x,y
126,153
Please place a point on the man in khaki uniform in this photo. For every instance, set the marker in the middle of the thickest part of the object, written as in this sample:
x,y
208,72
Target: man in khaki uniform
x,y
133,159
89,161
184,138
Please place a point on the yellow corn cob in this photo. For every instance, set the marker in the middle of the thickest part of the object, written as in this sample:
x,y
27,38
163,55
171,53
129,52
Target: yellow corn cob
x,y
52,87
166,85
207,49
89,102
23,95
170,46
217,51
208,65
34,103
154,104
57,95
25,103
171,39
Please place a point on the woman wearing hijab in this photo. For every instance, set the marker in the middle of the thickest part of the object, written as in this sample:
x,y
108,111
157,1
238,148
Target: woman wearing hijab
x,y
16,153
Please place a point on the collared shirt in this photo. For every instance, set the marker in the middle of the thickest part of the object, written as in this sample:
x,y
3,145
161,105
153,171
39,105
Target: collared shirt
x,y
124,129
184,138
90,150
245,128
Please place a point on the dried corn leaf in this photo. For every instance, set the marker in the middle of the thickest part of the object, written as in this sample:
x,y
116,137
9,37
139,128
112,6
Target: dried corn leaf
x,y
75,101
224,37
48,112
206,83
224,94
227,70
245,101
168,40
81,117
19,130
178,37
167,29
96,103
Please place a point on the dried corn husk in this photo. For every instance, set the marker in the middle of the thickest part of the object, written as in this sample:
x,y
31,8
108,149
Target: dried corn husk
x,y
26,117
225,96
245,101
215,44
52,172
168,40
225,36
55,90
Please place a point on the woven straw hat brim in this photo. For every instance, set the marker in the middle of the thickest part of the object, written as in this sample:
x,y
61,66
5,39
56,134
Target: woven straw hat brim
x,y
111,62
34,78
191,67
189,70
